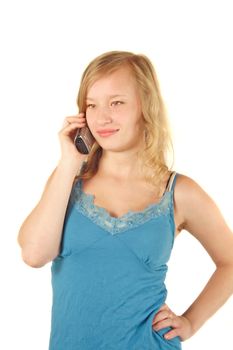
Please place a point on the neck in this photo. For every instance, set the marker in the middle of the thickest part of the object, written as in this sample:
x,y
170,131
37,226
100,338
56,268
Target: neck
x,y
120,165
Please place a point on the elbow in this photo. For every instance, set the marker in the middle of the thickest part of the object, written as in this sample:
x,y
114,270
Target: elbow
x,y
35,255
34,263
29,257
33,259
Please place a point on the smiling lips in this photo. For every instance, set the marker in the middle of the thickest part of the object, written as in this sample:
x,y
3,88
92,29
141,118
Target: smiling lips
x,y
107,132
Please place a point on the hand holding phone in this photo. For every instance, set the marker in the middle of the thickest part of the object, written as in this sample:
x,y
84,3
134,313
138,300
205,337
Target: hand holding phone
x,y
84,140
69,153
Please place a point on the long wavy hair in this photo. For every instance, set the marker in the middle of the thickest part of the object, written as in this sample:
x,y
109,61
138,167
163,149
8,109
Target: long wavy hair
x,y
158,140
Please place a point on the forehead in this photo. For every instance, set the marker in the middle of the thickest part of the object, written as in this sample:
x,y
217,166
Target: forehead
x,y
119,82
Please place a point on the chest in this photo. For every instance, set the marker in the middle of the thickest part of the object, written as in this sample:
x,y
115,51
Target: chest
x,y
120,198
149,233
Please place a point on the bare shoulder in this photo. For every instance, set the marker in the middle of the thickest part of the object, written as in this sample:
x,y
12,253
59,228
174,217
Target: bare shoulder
x,y
202,218
185,187
188,193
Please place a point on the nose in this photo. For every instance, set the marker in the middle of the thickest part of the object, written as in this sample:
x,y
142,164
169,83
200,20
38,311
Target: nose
x,y
104,116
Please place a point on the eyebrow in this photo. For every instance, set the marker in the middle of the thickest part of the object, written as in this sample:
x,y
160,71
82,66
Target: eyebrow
x,y
111,96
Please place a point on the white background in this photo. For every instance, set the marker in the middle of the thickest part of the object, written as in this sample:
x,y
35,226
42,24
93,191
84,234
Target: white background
x,y
45,46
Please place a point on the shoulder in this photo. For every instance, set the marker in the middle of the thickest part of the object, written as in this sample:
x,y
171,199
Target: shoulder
x,y
198,209
185,183
190,200
190,191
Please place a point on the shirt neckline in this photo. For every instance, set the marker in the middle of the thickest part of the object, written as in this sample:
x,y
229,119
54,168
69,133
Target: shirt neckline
x,y
91,197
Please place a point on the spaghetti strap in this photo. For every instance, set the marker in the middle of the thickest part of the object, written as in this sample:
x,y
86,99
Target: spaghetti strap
x,y
171,181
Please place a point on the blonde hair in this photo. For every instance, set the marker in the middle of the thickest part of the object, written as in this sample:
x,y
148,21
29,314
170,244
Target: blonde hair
x,y
158,139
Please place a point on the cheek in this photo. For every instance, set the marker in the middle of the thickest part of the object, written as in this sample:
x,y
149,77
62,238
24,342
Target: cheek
x,y
89,120
90,113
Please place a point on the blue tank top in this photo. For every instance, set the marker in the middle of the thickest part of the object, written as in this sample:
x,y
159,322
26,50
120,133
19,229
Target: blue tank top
x,y
108,280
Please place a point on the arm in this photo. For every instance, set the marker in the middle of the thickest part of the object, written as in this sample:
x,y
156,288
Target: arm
x,y
40,233
202,218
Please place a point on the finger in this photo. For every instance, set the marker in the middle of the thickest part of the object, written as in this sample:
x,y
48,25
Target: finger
x,y
75,117
70,127
164,307
76,122
163,315
70,119
171,334
168,322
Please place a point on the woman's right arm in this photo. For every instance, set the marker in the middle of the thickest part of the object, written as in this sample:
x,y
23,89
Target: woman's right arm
x,y
40,234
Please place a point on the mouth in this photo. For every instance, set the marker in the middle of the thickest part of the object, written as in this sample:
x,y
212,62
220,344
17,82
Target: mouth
x,y
105,133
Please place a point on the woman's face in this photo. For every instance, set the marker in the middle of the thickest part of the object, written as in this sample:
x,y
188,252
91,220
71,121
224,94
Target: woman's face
x,y
113,103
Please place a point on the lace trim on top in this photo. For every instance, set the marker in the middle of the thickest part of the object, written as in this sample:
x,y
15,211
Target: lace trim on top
x,y
84,203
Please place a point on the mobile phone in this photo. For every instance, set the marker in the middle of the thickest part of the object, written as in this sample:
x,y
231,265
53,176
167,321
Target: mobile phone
x,y
84,140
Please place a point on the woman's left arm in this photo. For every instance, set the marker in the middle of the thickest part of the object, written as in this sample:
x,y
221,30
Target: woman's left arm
x,y
203,219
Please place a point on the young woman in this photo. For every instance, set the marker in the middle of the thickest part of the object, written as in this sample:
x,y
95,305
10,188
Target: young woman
x,y
108,220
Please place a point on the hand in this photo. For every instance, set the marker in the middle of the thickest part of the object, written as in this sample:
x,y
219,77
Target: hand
x,y
69,152
166,318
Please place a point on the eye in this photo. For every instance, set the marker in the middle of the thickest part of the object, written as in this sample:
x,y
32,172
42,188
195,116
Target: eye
x,y
90,106
117,103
